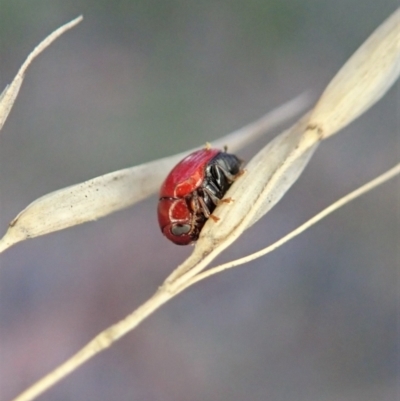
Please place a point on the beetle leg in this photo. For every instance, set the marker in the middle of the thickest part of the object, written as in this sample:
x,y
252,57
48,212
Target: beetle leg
x,y
195,207
211,195
206,211
194,202
199,207
204,208
226,200
221,170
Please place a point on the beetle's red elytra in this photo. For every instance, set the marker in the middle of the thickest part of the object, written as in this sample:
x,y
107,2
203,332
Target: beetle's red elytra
x,y
192,190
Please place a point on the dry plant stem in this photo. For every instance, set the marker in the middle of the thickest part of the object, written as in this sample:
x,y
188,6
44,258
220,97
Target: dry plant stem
x,y
298,147
102,341
10,93
111,192
330,209
170,289
362,81
256,129
213,240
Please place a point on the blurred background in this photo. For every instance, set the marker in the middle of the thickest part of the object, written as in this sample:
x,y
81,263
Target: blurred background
x,y
138,80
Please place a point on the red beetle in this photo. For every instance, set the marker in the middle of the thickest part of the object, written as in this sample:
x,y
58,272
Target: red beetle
x,y
192,190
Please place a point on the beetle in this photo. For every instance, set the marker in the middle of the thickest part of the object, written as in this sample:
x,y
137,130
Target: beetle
x,y
192,190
